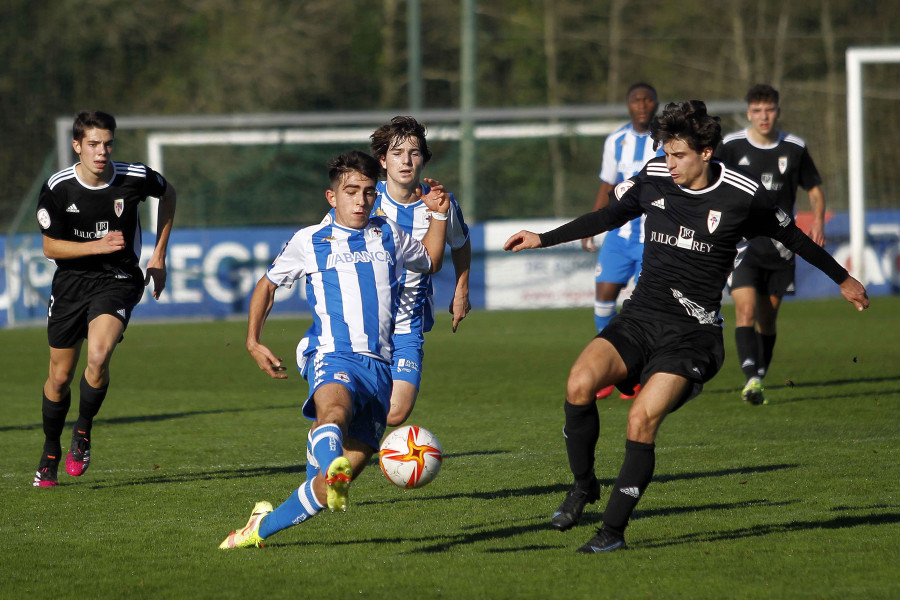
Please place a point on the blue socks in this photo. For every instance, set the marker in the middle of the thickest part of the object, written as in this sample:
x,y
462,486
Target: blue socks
x,y
299,506
323,445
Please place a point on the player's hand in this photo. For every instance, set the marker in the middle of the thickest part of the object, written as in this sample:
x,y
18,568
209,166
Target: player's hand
x,y
817,233
437,199
156,271
111,242
459,308
588,244
855,292
524,240
267,361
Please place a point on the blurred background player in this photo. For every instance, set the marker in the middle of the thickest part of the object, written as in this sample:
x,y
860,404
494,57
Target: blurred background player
x,y
669,334
352,265
624,154
764,271
402,150
89,218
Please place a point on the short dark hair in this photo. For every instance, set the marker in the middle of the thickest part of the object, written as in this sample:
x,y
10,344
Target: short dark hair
x,y
353,161
689,122
92,119
396,132
641,84
761,92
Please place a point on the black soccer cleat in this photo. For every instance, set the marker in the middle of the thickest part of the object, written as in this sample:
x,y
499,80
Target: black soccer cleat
x,y
568,513
604,541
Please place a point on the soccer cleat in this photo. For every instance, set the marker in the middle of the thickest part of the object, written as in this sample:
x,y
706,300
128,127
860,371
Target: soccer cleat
x,y
46,472
603,393
568,513
79,457
753,392
338,478
249,535
637,389
604,541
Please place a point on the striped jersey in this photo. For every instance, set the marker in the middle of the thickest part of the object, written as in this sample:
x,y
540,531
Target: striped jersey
x,y
353,277
70,210
416,305
625,153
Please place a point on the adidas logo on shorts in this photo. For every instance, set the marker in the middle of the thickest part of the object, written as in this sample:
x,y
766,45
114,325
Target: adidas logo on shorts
x,y
121,312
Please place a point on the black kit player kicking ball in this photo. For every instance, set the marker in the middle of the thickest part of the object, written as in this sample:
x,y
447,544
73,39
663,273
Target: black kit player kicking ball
x,y
668,337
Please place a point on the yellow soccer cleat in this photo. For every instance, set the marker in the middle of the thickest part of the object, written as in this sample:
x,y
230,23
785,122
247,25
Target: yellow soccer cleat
x,y
338,478
249,535
753,392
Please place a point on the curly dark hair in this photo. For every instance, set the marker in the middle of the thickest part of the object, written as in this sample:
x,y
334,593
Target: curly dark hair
x,y
396,132
689,122
761,92
353,161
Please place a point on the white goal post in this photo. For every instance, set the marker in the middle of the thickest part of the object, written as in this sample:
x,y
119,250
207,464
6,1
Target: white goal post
x,y
856,58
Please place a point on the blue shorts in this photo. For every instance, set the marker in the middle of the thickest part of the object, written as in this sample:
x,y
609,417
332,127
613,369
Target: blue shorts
x,y
618,260
370,385
409,354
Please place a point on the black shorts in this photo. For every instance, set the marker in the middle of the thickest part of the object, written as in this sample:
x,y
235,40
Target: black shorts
x,y
768,276
650,345
76,300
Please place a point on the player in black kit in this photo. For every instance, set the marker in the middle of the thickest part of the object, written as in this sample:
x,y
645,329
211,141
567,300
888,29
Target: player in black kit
x,y
88,215
764,273
668,337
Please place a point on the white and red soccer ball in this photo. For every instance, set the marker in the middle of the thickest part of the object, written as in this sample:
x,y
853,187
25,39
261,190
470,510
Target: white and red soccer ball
x,y
410,456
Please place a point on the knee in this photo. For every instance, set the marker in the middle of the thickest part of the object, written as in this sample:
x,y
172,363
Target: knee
x,y
641,426
60,378
98,358
580,388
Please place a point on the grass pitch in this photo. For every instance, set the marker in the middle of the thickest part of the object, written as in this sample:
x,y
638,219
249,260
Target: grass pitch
x,y
797,499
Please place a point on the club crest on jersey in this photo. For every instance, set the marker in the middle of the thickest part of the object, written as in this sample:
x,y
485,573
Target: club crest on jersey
x,y
782,164
622,187
43,218
713,219
119,206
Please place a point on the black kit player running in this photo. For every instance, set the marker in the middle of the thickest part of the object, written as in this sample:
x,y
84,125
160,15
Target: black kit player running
x,y
89,217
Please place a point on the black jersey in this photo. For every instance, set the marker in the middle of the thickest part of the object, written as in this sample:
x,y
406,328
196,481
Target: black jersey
x,y
781,167
691,236
70,210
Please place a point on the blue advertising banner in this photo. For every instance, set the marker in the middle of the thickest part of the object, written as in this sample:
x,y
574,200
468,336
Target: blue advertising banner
x,y
212,272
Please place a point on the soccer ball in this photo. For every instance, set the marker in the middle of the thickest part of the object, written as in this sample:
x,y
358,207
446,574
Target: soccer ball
x,y
410,456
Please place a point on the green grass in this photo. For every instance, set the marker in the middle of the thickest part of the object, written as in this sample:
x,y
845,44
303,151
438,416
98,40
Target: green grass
x,y
797,499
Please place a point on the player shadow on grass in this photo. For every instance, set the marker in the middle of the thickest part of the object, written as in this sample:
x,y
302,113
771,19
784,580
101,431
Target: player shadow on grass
x,y
161,476
148,418
843,522
784,391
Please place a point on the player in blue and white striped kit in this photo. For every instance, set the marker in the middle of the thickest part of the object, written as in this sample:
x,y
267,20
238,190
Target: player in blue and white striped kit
x,y
353,265
402,150
625,152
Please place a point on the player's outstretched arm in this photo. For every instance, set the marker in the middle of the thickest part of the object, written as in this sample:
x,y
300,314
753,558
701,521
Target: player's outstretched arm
x,y
524,240
855,293
260,304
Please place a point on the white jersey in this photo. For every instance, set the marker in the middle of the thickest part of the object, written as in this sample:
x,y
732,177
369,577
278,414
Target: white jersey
x,y
625,153
352,281
416,307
